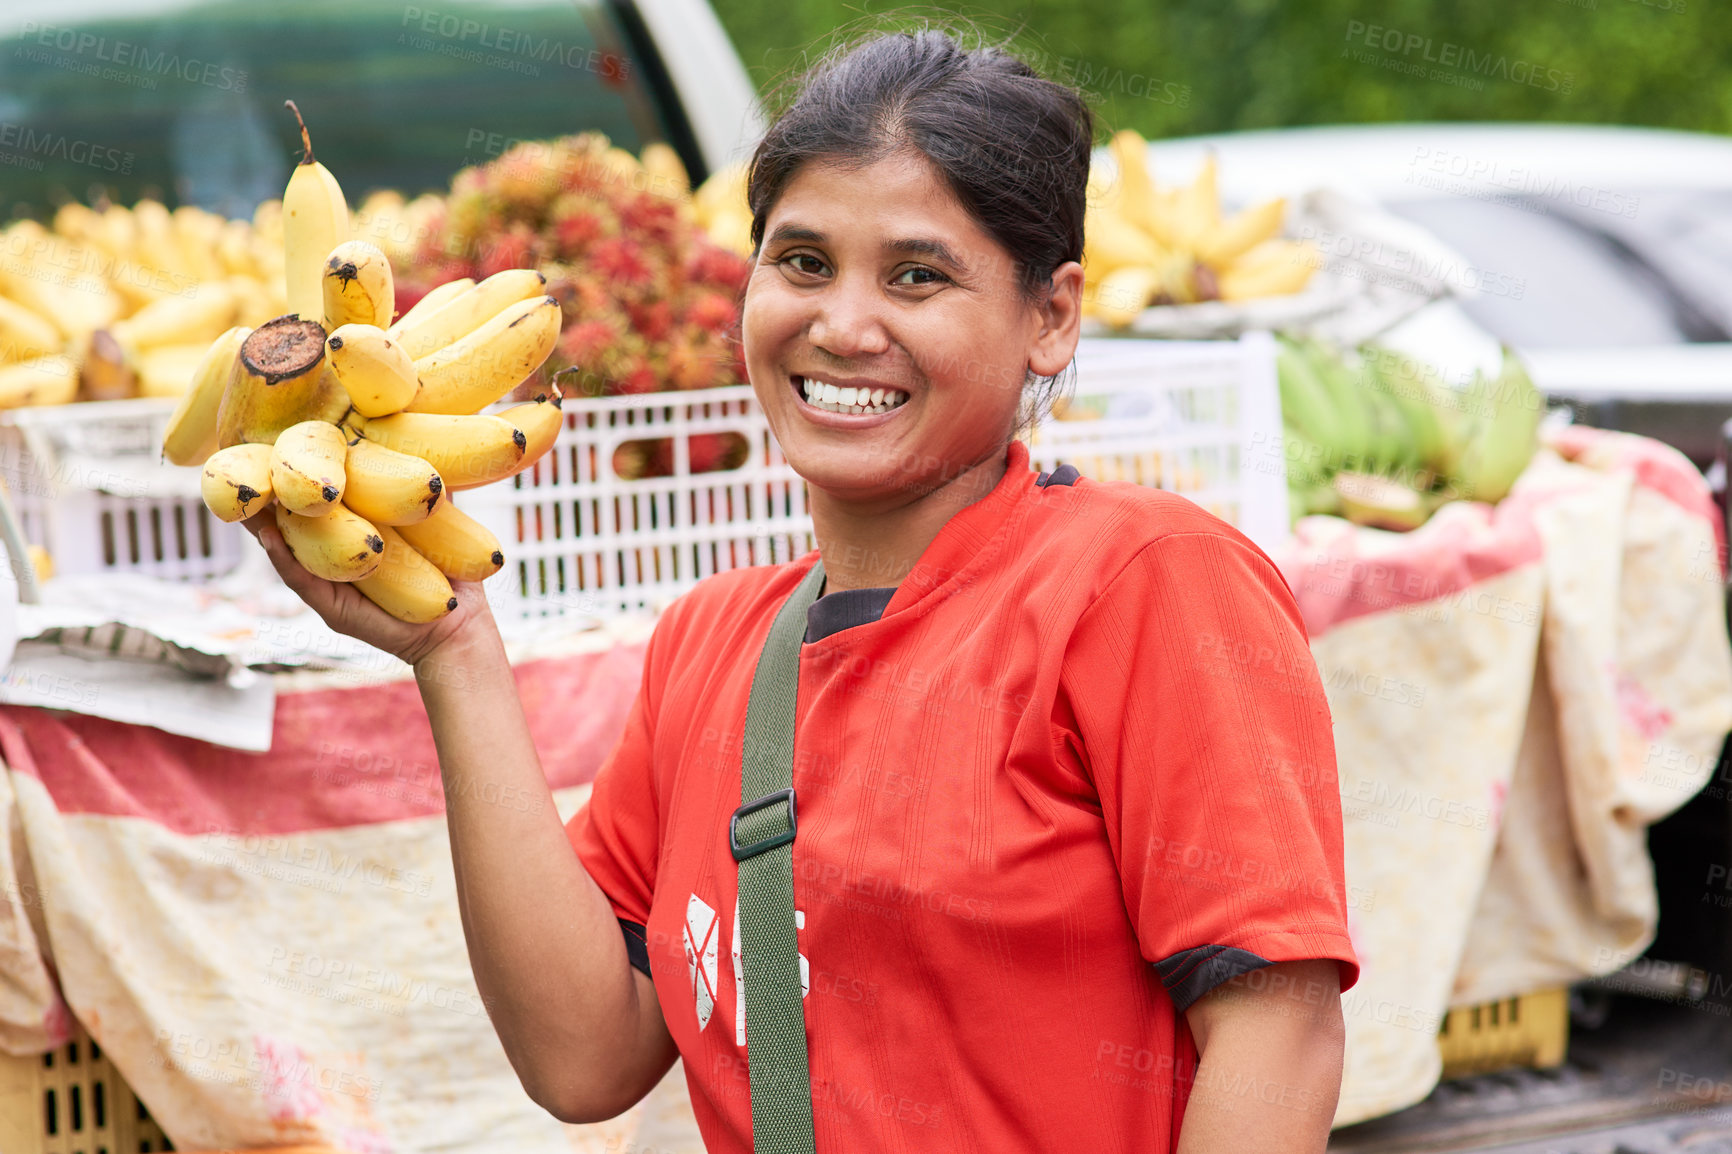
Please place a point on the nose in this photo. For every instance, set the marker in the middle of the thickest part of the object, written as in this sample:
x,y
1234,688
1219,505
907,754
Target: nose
x,y
847,322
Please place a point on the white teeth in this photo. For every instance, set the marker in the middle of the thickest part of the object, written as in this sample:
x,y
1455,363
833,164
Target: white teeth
x,y
859,401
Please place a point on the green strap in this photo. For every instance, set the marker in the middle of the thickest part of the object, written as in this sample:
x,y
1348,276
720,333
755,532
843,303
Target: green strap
x,y
761,837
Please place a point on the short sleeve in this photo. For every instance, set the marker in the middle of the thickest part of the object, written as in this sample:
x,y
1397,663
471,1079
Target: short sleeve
x,y
1204,727
618,831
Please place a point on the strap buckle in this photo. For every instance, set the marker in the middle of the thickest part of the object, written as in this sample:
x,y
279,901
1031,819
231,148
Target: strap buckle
x,y
742,852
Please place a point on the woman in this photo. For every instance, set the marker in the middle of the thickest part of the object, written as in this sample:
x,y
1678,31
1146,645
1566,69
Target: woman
x,y
1056,881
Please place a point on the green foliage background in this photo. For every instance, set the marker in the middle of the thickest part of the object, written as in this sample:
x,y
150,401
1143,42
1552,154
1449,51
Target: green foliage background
x,y
1179,67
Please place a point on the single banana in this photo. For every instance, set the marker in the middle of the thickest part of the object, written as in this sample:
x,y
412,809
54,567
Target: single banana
x,y
307,467
1501,443
388,487
199,315
540,421
197,234
667,173
315,221
1199,208
436,298
1111,243
236,482
467,451
191,437
377,374
282,380
50,380
24,334
358,286
156,245
1273,268
476,370
1135,189
169,370
234,249
458,545
1241,233
340,546
407,585
469,310
1126,292
56,280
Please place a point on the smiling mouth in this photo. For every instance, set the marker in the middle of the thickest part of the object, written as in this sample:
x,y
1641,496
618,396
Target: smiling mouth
x,y
862,401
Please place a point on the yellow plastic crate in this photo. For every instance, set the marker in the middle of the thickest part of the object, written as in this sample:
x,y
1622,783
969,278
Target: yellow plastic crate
x,y
1532,1030
72,1100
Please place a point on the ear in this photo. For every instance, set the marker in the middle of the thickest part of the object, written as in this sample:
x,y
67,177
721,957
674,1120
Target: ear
x,y
1054,341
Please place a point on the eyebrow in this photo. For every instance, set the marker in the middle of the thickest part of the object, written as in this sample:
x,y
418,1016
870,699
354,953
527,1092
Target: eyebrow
x,y
913,245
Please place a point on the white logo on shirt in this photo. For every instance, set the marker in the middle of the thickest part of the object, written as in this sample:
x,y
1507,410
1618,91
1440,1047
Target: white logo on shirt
x,y
701,933
740,973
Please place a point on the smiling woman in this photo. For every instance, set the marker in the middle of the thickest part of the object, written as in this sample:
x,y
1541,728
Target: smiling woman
x,y
1014,863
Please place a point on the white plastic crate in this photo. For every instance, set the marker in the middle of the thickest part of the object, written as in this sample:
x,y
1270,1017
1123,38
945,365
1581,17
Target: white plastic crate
x,y
578,538
1198,417
89,485
1202,418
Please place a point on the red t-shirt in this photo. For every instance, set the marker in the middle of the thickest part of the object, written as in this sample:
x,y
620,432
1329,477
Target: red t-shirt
x,y
1080,770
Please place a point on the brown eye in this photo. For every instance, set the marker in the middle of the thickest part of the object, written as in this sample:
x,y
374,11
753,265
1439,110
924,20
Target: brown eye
x,y
921,276
804,262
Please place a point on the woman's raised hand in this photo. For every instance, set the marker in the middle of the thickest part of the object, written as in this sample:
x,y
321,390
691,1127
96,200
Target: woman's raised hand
x,y
346,610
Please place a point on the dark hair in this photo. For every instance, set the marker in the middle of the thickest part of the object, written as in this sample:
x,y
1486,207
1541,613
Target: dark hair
x,y
1013,147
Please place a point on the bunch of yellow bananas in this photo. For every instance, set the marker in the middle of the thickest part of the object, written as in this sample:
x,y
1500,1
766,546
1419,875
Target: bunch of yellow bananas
x,y
1146,245
359,429
117,302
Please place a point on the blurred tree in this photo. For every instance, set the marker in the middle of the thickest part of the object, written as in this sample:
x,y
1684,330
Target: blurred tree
x,y
1196,66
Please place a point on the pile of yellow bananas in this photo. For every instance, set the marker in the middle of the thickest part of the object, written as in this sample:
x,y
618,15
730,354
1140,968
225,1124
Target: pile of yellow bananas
x,y
1146,245
359,429
123,301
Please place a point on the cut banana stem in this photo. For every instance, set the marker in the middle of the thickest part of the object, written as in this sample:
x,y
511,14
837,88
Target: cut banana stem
x,y
469,310
435,299
307,467
470,374
375,371
407,585
340,546
192,428
282,380
466,450
388,487
236,482
458,545
358,286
